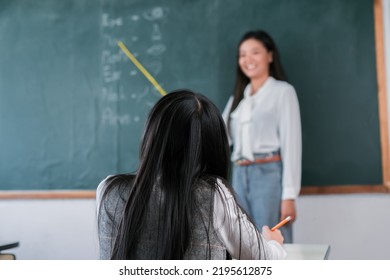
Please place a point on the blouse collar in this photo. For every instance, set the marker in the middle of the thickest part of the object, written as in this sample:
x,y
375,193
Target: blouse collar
x,y
248,88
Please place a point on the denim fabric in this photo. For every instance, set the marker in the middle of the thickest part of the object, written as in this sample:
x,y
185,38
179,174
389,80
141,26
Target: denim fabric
x,y
259,191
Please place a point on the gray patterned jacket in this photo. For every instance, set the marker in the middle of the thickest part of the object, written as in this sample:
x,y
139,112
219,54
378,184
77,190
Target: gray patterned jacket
x,y
203,231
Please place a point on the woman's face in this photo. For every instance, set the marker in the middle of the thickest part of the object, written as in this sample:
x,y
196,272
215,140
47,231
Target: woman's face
x,y
254,59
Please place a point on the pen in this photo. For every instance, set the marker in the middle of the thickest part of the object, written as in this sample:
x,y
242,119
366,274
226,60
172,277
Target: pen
x,y
285,221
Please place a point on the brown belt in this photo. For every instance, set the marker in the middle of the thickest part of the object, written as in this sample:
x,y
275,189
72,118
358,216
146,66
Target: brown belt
x,y
244,162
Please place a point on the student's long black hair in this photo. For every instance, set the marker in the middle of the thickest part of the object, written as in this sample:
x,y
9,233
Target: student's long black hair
x,y
275,67
184,140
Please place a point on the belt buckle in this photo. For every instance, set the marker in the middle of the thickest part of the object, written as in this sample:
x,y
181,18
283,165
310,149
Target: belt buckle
x,y
270,155
241,162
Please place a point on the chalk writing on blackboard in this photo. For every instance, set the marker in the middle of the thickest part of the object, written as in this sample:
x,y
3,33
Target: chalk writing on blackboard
x,y
114,62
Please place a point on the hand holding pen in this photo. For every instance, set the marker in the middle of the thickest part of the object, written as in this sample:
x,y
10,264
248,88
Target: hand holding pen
x,y
274,233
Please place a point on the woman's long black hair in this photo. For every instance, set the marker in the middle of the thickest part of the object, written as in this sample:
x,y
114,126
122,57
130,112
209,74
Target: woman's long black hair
x,y
184,140
275,67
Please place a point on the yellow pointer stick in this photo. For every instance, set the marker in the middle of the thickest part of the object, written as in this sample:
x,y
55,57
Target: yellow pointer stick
x,y
141,68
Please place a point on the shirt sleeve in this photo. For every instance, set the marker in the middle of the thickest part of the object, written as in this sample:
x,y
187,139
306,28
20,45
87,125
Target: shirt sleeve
x,y
105,223
291,143
239,235
99,194
226,111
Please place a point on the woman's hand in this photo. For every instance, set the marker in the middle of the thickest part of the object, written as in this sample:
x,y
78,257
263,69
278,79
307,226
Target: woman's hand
x,y
288,209
272,235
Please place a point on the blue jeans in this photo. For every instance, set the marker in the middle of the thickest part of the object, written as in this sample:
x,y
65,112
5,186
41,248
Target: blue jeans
x,y
259,191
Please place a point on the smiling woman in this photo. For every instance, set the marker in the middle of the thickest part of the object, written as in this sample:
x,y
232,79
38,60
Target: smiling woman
x,y
254,60
265,130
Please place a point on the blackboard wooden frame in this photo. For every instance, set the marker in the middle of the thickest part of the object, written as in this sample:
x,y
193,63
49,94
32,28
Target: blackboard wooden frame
x,y
306,190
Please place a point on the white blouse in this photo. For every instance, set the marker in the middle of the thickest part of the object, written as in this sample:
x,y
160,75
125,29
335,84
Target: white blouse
x,y
268,121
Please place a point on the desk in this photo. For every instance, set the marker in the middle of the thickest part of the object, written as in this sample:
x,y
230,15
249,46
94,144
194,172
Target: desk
x,y
9,245
307,251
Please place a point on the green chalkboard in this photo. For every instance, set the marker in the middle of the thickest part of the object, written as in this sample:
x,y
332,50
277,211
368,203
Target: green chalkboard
x,y
72,106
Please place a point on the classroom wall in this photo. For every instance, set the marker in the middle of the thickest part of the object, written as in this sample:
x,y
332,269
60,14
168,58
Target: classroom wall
x,y
50,229
355,225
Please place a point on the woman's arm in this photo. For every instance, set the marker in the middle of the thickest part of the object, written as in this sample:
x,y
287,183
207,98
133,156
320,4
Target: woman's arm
x,y
109,208
291,143
239,235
